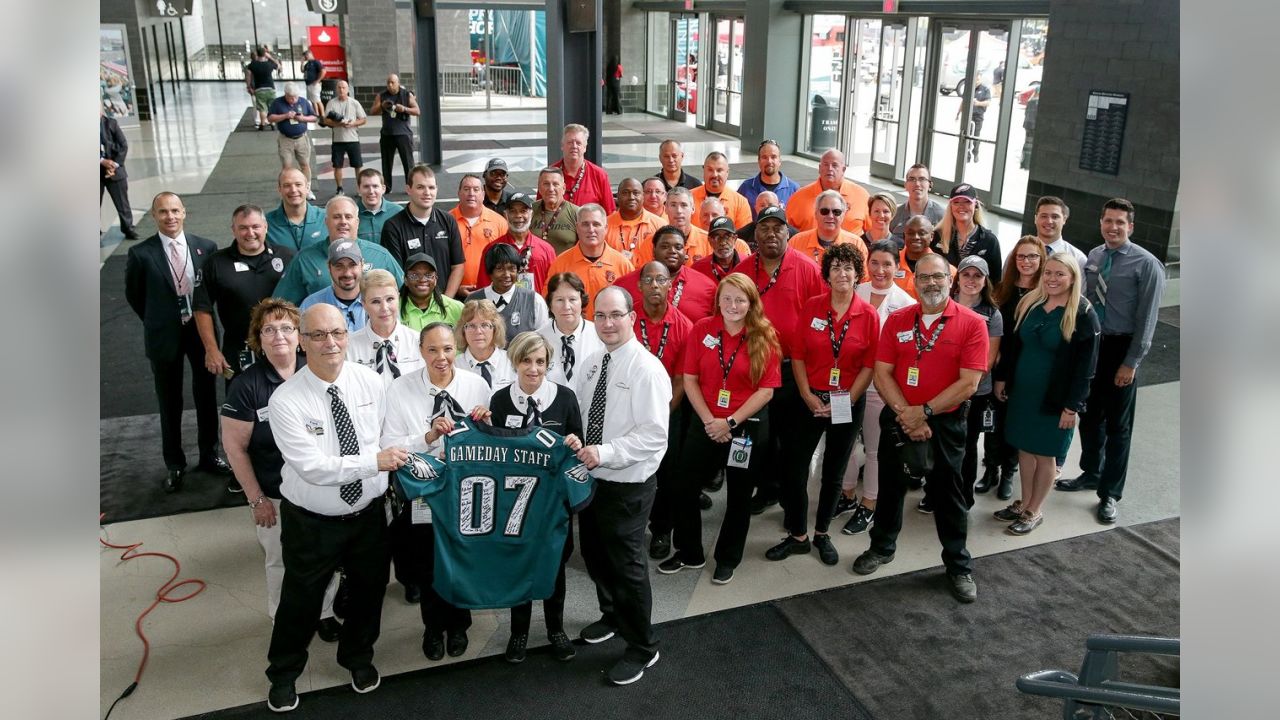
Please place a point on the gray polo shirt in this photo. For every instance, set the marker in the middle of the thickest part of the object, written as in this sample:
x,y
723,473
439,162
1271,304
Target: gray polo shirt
x,y
934,210
1134,287
351,109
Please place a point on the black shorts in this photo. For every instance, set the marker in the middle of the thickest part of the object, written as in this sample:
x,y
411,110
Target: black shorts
x,y
351,150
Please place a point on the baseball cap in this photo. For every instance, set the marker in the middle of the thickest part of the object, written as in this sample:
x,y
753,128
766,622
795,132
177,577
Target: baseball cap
x,y
345,249
973,261
416,258
722,223
773,212
964,190
496,164
522,198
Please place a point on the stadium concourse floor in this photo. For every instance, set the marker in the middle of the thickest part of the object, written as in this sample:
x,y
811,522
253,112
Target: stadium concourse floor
x,y
209,653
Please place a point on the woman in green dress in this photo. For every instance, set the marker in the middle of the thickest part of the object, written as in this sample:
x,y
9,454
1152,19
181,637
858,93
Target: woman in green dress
x,y
1045,368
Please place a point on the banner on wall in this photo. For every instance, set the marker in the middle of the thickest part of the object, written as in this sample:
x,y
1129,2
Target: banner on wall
x,y
326,45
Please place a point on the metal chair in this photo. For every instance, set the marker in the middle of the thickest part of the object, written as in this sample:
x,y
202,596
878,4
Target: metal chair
x,y
1097,694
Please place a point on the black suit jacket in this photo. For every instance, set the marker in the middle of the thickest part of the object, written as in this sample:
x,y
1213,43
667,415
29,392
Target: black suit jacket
x,y
150,290
116,148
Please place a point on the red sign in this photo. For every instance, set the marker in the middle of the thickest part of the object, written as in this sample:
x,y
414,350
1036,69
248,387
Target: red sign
x,y
890,6
327,47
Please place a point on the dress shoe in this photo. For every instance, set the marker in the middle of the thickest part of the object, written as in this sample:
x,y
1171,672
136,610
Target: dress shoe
x,y
660,546
173,481
989,479
214,466
457,642
789,546
963,588
329,629
1085,481
870,561
1107,511
1005,491
412,594
716,482
760,503
704,501
433,646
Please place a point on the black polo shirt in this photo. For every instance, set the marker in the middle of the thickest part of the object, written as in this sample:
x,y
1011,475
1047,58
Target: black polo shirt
x,y
247,401
233,283
687,181
404,235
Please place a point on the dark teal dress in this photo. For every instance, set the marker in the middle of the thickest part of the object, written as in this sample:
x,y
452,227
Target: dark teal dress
x,y
1029,428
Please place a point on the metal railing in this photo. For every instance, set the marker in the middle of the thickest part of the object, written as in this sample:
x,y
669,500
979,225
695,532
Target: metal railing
x,y
468,80
1096,693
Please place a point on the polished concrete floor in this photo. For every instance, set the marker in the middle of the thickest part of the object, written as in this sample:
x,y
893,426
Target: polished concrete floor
x,y
210,652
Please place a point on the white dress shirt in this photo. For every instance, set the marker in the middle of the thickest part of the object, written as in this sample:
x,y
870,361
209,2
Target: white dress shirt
x,y
362,348
412,400
1062,246
637,411
544,395
540,312
500,368
303,428
189,268
585,344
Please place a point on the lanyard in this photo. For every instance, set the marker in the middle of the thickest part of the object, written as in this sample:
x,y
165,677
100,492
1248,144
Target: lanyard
x,y
718,272
921,346
569,195
180,273
772,279
677,293
720,349
837,344
662,343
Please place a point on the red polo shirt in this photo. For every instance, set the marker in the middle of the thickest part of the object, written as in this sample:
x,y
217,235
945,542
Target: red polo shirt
x,y
702,358
664,340
538,256
963,344
594,186
811,341
692,293
798,279
707,266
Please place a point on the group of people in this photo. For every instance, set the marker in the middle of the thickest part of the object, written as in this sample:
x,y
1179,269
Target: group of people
x,y
668,332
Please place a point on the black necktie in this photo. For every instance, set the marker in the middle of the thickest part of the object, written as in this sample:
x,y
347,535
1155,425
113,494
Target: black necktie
x,y
595,416
566,349
347,443
386,359
502,302
484,372
446,404
532,415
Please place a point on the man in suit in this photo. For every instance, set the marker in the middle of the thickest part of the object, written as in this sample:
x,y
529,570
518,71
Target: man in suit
x,y
112,149
161,274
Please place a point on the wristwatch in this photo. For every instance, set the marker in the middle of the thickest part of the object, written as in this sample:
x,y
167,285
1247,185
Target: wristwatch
x,y
928,411
733,424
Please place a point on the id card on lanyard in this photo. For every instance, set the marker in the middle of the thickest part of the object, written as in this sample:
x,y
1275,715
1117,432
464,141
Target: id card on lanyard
x,y
722,400
913,372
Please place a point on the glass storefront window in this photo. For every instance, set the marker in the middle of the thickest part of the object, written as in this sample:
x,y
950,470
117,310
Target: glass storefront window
x,y
893,56
822,90
1024,82
915,112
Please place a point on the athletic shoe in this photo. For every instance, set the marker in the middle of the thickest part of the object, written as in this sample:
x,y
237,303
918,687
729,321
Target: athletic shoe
x,y
282,698
597,632
365,680
660,546
561,646
826,551
863,518
674,564
516,647
844,505
789,546
722,575
628,670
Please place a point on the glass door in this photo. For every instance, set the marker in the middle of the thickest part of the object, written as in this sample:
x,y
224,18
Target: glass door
x,y
726,115
864,44
890,54
684,82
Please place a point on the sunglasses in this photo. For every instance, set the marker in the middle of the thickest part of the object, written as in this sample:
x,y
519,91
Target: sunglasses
x,y
830,211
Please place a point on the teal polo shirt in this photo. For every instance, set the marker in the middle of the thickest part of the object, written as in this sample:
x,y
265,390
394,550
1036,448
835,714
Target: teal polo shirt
x,y
297,236
371,222
309,271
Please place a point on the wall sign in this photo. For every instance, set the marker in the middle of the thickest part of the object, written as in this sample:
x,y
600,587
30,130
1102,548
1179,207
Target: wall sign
x,y
328,7
326,45
1103,140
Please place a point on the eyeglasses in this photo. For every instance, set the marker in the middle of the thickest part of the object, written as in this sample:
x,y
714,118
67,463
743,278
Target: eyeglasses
x,y
415,277
830,211
655,280
612,317
918,180
478,326
272,330
933,278
320,335
1027,258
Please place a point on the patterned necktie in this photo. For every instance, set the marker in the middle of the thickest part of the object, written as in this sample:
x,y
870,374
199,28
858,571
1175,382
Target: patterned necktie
x,y
595,416
566,351
532,416
484,372
446,404
178,263
385,362
347,443
1104,274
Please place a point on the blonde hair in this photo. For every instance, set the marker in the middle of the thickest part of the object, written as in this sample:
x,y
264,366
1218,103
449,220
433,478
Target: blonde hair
x,y
485,311
885,198
946,226
1038,295
762,337
526,344
378,278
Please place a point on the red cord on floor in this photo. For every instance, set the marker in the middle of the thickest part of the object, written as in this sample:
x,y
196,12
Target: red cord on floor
x,y
165,593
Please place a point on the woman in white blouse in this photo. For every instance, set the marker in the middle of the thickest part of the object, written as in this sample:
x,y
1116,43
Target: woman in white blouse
x,y
481,335
571,336
384,344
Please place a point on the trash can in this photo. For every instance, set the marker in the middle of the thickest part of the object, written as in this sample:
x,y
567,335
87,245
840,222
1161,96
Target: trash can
x,y
823,124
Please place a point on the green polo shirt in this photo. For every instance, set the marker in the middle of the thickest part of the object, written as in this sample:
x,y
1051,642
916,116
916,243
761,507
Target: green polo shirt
x,y
371,222
309,270
297,236
417,319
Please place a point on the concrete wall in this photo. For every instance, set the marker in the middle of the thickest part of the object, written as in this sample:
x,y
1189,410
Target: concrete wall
x,y
1128,46
373,44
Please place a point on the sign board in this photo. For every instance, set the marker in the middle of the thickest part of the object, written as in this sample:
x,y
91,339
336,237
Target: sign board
x,y
170,8
889,6
326,45
328,7
1103,139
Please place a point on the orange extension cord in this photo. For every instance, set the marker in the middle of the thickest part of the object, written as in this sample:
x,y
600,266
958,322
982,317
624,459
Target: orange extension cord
x,y
163,594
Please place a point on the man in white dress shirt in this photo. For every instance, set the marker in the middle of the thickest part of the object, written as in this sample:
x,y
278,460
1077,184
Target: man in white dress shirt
x,y
625,396
327,421
1051,216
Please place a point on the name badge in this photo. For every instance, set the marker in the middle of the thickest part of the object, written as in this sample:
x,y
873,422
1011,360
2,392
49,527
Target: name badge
x,y
905,336
841,408
722,400
184,307
315,427
263,414
740,452
515,421
419,512
626,254
833,378
240,267
988,420
525,280
913,376
818,324
414,243
711,341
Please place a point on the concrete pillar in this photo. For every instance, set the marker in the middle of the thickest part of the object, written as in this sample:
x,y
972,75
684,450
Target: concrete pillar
x,y
773,48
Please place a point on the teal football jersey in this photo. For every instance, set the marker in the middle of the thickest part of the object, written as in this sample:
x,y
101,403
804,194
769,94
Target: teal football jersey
x,y
500,504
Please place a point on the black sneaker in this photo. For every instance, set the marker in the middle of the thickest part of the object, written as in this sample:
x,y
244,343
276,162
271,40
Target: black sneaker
x,y
963,588
674,564
365,680
722,576
863,518
597,632
870,561
329,629
282,698
760,503
788,546
233,486
826,551
433,646
457,642
660,546
561,646
516,647
924,506
844,505
628,670
704,501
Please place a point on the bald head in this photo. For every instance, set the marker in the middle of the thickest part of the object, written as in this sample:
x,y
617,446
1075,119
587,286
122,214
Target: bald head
x,y
831,170
765,199
319,316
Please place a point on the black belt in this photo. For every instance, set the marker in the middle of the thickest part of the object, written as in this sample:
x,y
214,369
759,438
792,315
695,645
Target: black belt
x,y
375,505
1118,335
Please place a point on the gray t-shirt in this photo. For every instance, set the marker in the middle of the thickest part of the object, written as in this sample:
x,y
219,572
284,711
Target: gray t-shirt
x,y
350,109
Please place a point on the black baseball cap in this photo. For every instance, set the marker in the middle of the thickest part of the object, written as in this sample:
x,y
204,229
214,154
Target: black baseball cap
x,y
522,198
724,223
416,258
773,212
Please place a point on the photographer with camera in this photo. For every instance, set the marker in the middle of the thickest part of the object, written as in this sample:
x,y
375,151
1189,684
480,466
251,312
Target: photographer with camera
x,y
396,104
344,114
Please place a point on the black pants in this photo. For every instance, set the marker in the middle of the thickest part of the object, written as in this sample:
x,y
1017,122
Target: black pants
x,y
552,607
389,146
414,549
613,96
670,474
612,535
1106,425
998,448
991,442
313,548
769,479
977,130
948,494
804,431
119,191
701,459
168,383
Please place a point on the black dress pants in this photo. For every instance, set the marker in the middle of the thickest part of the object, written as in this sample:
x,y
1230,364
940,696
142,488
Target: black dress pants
x,y
119,191
391,145
552,607
314,547
769,479
1001,452
804,431
1106,425
947,492
167,375
670,474
611,530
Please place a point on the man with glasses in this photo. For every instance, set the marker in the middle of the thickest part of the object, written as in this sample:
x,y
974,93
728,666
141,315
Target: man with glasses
x,y
655,197
928,363
625,396
497,191
327,422
918,183
831,169
346,267
715,183
727,250
536,254
309,271
813,243
770,178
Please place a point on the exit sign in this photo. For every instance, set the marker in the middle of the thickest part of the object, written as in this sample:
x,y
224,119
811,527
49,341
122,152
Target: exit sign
x,y
890,6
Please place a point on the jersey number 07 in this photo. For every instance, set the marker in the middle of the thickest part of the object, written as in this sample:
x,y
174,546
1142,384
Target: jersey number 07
x,y
478,503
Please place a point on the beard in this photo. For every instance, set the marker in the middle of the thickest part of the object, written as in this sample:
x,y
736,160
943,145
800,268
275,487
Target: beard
x,y
934,298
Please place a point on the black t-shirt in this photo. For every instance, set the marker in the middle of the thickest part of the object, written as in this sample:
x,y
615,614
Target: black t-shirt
x,y
263,73
232,284
403,235
500,207
686,181
980,92
247,401
311,71
398,125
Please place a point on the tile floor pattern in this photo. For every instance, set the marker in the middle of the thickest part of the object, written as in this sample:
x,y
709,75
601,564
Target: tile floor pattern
x,y
210,652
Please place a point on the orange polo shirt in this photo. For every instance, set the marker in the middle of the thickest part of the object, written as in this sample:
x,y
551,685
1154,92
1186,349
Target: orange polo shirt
x,y
807,243
475,238
597,275
626,236
736,206
800,206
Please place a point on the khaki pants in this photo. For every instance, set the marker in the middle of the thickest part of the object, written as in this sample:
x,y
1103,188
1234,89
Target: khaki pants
x,y
295,152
